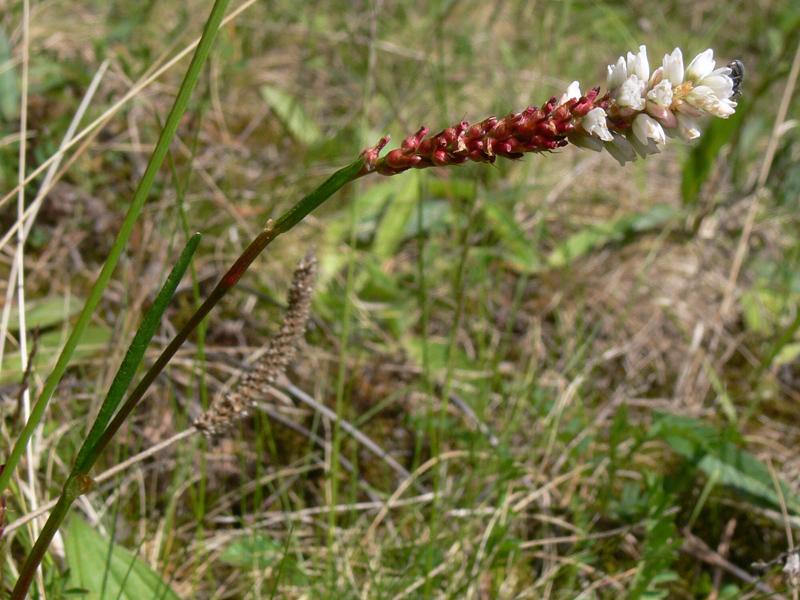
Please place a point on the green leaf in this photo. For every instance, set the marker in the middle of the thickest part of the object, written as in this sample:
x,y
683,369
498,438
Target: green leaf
x,y
120,576
588,239
613,230
742,471
703,156
290,113
9,93
399,214
522,254
717,456
46,312
787,355
94,340
256,551
134,355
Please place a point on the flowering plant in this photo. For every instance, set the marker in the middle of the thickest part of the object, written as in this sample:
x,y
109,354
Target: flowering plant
x,y
635,116
637,113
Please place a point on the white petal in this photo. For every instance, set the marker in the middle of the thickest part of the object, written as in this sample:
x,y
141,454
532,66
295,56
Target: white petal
x,y
573,92
621,149
673,67
617,74
661,94
646,128
631,93
720,81
701,65
687,128
594,123
638,64
704,98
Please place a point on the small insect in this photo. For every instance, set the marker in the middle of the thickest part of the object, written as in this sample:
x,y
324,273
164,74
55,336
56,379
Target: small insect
x,y
737,74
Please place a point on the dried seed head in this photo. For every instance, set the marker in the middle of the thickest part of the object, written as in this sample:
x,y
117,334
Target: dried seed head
x,y
227,410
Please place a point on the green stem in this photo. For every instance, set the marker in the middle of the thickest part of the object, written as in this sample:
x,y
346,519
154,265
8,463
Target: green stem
x,y
291,218
75,486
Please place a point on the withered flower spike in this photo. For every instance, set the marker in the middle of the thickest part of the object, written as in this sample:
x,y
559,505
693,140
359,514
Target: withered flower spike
x,y
225,411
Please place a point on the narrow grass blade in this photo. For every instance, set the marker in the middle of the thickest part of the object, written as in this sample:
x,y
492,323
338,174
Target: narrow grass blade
x,y
135,353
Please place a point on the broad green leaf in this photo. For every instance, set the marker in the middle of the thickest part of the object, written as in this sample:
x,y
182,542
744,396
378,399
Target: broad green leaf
x,y
399,214
584,241
436,214
741,470
613,230
753,312
9,93
46,312
787,355
703,156
255,551
713,452
120,576
522,254
94,340
291,115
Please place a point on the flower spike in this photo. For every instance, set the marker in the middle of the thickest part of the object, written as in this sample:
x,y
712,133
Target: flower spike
x,y
634,118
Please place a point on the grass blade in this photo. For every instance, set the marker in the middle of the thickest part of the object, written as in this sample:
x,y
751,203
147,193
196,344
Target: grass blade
x,y
135,353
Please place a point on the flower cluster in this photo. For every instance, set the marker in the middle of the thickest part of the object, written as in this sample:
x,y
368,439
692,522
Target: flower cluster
x,y
636,115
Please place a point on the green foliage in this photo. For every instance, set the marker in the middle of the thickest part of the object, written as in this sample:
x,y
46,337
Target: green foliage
x,y
259,551
44,313
615,230
291,114
9,90
92,443
94,341
108,571
713,452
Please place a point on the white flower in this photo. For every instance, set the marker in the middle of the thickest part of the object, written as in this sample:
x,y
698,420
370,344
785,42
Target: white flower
x,y
659,103
646,128
702,64
701,72
573,92
661,94
645,108
673,67
704,98
720,81
638,64
617,74
621,149
594,123
631,94
687,127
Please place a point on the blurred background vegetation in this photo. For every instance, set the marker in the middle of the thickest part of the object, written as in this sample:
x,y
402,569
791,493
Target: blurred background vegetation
x,y
632,393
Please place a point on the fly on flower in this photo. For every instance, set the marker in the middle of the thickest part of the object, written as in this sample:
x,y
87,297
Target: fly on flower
x,y
737,75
